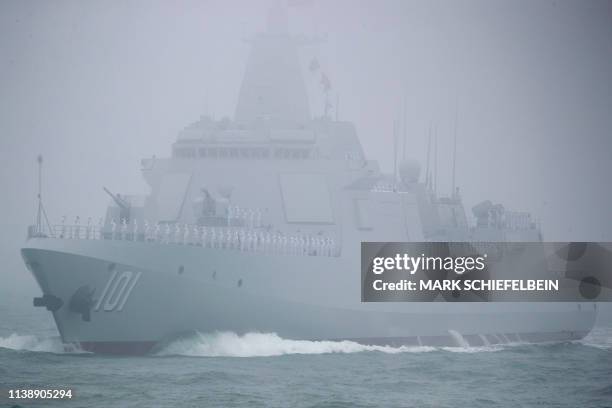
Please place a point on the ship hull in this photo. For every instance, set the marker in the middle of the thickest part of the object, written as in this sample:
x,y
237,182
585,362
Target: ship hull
x,y
139,296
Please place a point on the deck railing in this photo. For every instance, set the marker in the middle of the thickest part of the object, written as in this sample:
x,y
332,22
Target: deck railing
x,y
245,239
517,220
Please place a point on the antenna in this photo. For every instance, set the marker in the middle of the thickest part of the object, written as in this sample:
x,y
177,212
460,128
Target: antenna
x,y
41,209
404,126
337,106
453,192
395,134
39,160
206,102
427,177
435,159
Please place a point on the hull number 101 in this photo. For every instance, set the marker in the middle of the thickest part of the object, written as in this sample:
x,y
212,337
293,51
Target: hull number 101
x,y
117,291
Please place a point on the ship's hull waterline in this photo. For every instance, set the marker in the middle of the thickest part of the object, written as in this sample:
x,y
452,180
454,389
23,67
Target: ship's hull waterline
x,y
143,295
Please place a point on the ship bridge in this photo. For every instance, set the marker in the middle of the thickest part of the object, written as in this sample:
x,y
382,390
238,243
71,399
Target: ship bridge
x,y
232,140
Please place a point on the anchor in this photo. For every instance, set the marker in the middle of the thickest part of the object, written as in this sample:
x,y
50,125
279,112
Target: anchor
x,y
81,302
52,303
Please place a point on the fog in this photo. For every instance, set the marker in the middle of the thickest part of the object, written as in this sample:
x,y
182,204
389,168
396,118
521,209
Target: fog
x,y
96,86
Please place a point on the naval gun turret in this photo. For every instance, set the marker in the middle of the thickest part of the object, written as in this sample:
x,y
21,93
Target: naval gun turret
x,y
488,214
212,207
123,204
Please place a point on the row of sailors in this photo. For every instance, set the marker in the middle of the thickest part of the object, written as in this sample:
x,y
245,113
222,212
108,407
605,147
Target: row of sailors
x,y
245,216
78,231
242,239
250,217
518,220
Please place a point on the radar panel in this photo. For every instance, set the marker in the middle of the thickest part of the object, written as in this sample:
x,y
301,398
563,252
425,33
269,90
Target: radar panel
x,y
171,197
306,198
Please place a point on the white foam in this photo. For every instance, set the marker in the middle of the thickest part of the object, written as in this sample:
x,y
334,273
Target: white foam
x,y
474,349
228,344
599,337
484,339
32,343
459,339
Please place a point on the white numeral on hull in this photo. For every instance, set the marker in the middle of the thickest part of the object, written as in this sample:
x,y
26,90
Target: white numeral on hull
x,y
117,291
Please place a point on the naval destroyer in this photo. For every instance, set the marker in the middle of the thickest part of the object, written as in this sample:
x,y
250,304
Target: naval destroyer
x,y
255,223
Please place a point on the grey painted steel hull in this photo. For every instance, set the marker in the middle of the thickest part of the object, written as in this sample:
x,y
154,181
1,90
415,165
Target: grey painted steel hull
x,y
170,290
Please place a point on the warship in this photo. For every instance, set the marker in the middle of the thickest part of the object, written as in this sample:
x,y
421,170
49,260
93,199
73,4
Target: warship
x,y
254,224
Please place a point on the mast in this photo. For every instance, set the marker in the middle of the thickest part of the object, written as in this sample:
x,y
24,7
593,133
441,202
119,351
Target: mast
x,y
404,126
39,160
453,192
435,182
41,213
395,135
427,175
272,87
337,105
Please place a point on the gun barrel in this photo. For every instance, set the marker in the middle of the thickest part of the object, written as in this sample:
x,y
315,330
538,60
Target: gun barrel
x,y
120,202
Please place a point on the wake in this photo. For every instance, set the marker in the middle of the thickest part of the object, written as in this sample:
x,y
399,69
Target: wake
x,y
229,344
599,337
254,344
32,343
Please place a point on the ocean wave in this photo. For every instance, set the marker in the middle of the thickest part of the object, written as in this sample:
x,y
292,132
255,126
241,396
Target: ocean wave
x,y
32,343
229,344
599,337
29,342
255,344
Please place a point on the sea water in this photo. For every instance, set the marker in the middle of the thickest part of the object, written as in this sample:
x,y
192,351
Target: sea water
x,y
264,370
